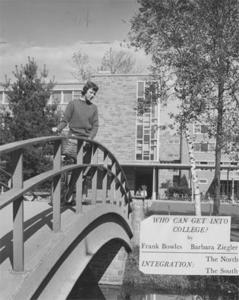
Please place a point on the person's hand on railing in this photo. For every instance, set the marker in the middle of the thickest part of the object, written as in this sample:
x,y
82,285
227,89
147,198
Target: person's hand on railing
x,y
55,131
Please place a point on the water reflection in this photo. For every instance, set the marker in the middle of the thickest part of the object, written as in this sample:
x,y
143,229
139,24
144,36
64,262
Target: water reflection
x,y
106,292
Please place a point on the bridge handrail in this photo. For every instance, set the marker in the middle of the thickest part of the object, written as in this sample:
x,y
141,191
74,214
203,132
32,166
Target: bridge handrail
x,y
118,183
12,194
24,143
8,177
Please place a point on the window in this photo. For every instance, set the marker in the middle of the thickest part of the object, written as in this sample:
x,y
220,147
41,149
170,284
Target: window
x,y
203,162
139,156
139,131
154,112
67,96
141,89
146,139
197,147
197,128
211,147
1,97
76,94
204,129
153,132
204,147
225,163
57,96
146,123
174,140
236,139
200,128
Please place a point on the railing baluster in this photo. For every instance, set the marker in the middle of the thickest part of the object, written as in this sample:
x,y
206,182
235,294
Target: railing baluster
x,y
56,197
119,176
118,195
128,203
56,202
87,157
79,182
104,179
122,198
112,184
95,176
18,213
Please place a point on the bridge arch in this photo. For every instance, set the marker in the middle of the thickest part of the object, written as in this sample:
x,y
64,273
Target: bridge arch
x,y
71,252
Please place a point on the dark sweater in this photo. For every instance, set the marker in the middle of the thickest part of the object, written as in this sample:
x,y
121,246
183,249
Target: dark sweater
x,y
82,117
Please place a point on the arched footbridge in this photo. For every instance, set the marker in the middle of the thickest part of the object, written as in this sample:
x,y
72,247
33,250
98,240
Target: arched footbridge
x,y
47,246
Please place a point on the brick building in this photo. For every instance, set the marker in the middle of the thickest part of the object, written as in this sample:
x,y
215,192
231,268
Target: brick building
x,y
137,140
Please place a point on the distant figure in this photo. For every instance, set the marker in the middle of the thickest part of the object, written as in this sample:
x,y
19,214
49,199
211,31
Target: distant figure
x,y
138,192
144,193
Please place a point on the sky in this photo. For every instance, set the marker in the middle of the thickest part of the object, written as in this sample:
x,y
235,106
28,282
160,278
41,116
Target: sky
x,y
50,31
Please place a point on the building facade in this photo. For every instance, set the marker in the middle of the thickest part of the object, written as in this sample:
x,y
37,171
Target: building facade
x,y
150,151
204,152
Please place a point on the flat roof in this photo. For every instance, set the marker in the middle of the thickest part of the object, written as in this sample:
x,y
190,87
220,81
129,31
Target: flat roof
x,y
172,165
155,164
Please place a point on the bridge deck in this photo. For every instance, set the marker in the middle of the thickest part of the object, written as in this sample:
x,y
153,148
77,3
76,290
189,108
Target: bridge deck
x,y
38,243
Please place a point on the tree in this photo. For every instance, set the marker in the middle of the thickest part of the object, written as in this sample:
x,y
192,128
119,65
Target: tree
x,y
82,64
28,114
198,40
117,61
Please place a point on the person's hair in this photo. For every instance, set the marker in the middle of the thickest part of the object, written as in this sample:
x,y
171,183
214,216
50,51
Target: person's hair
x,y
89,85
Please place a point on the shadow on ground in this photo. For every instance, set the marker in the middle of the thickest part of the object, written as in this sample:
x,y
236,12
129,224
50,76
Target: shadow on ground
x,y
31,226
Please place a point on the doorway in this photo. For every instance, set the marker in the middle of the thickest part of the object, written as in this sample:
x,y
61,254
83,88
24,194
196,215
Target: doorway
x,y
144,176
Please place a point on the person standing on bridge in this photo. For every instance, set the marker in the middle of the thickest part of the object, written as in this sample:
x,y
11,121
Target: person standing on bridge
x,y
82,114
82,117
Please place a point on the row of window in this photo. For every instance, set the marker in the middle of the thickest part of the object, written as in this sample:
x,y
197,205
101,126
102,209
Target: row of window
x,y
64,97
204,147
60,96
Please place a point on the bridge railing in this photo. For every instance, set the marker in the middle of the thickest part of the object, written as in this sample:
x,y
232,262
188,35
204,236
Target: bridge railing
x,y
103,167
5,180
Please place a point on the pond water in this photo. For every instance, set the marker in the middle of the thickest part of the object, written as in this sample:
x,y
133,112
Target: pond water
x,y
107,292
